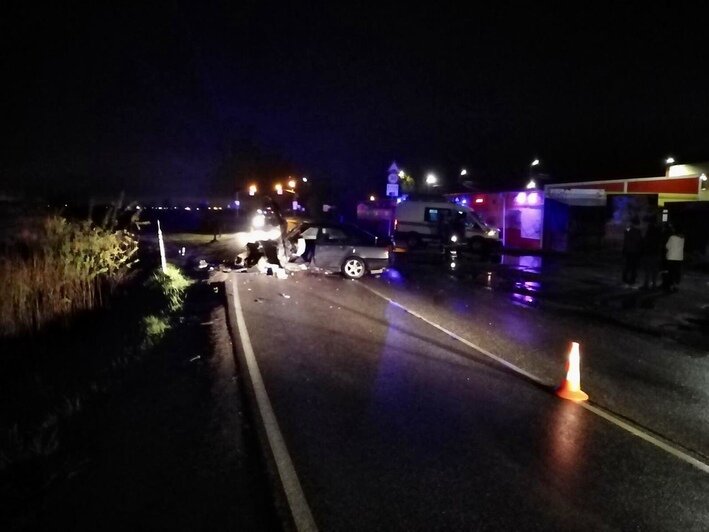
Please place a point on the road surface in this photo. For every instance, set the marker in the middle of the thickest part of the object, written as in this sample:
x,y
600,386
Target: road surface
x,y
391,423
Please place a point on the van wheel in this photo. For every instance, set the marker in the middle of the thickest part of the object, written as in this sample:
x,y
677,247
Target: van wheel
x,y
476,245
353,268
413,241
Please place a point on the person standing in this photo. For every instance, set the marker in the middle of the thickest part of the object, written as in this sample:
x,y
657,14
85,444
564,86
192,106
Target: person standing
x,y
632,249
653,251
675,257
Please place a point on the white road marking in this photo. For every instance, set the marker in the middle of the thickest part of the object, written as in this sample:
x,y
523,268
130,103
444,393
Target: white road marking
x,y
302,516
664,445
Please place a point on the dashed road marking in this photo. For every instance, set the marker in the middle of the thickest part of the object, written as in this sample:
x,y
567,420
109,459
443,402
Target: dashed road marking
x,y
600,412
302,516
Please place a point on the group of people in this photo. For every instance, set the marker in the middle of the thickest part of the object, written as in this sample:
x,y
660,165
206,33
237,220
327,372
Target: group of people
x,y
659,251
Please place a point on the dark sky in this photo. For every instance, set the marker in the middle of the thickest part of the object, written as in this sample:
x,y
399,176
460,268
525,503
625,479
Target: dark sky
x,y
149,97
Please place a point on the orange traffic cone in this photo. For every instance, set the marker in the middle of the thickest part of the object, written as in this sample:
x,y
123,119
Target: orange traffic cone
x,y
571,387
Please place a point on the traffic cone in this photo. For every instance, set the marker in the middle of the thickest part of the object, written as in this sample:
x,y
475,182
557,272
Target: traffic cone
x,y
571,387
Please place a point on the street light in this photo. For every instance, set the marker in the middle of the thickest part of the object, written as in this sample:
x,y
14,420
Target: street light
x,y
431,179
305,180
372,198
670,160
401,174
252,190
463,172
279,189
291,183
531,184
535,162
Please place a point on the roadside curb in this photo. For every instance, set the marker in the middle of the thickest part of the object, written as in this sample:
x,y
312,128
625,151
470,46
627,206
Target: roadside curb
x,y
279,496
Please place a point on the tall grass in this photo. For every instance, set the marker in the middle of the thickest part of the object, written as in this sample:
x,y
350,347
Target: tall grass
x,y
59,268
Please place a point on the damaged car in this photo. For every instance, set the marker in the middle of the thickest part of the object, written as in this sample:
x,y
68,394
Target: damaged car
x,y
339,248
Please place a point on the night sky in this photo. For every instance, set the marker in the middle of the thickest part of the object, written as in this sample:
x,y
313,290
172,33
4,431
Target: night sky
x,y
163,99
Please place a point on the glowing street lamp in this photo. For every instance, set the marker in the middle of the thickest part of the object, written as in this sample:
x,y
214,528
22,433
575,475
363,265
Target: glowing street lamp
x,y
252,190
305,180
431,179
532,184
401,174
670,160
372,197
463,172
535,162
279,189
291,183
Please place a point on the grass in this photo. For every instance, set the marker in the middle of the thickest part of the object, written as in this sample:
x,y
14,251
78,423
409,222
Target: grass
x,y
167,288
57,268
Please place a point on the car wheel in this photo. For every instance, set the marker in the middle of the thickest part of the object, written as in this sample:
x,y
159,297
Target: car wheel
x,y
353,268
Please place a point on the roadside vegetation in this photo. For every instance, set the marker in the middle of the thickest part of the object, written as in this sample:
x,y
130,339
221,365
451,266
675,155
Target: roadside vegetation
x,y
57,268
76,316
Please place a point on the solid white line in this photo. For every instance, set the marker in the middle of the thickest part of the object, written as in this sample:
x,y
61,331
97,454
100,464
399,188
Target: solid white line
x,y
665,446
674,451
462,340
302,516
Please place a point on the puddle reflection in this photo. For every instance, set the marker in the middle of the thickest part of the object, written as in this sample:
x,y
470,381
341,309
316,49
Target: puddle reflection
x,y
524,262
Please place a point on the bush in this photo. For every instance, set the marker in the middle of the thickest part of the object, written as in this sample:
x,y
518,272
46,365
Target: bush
x,y
167,289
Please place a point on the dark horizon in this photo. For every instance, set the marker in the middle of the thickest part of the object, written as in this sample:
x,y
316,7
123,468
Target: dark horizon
x,y
183,99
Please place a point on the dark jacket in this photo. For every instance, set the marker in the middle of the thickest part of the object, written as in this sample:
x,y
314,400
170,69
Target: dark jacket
x,y
633,241
654,241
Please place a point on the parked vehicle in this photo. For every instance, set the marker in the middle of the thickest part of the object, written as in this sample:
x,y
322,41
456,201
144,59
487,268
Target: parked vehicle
x,y
339,248
420,222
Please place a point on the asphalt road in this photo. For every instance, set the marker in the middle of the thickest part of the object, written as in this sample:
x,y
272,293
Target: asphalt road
x,y
391,424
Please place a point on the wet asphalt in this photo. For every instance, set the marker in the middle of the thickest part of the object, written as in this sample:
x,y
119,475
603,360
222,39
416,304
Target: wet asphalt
x,y
394,425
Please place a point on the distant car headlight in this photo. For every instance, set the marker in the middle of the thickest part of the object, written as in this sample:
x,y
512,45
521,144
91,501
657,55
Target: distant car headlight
x,y
492,233
258,221
454,238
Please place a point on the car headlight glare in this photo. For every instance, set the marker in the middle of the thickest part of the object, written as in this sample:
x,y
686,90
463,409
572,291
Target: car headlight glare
x,y
258,221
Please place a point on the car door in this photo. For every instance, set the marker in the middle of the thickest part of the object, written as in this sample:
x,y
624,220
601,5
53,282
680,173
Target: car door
x,y
331,247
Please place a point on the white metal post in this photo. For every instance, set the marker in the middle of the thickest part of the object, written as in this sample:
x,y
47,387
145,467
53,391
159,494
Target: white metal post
x,y
162,249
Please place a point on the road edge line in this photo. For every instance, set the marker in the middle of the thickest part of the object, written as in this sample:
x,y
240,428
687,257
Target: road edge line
x,y
298,504
599,411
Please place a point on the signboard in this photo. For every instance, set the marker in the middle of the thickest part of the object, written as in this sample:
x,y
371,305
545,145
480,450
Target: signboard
x,y
393,176
393,190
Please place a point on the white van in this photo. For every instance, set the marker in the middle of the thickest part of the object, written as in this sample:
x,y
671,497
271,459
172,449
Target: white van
x,y
420,222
